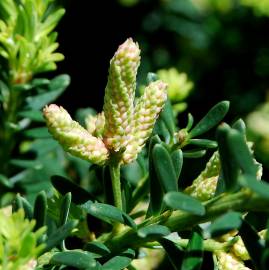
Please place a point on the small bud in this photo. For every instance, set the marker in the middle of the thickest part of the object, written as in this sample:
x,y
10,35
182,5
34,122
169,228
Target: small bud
x,y
119,95
204,186
73,137
240,250
147,109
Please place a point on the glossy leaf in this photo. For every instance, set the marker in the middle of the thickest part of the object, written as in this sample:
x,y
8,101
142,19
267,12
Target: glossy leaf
x,y
108,213
211,119
240,126
167,116
156,192
75,258
193,256
181,201
33,115
177,159
241,152
194,153
203,143
153,231
63,185
229,166
227,222
164,168
120,261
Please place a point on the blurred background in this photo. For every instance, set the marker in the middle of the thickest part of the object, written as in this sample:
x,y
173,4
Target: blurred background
x,y
221,47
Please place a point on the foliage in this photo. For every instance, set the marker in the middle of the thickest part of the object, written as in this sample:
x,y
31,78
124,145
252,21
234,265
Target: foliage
x,y
123,192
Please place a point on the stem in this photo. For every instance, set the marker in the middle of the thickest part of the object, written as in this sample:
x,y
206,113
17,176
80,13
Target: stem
x,y
116,185
242,201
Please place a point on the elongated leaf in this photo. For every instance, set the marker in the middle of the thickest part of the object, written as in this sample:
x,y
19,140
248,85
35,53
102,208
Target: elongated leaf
x,y
37,133
177,159
28,209
108,213
98,249
260,187
56,87
40,210
241,152
174,252
212,118
164,167
156,192
193,257
252,243
63,185
240,126
194,153
33,115
153,231
203,143
65,207
228,222
167,116
75,258
190,122
120,261
59,235
181,201
229,166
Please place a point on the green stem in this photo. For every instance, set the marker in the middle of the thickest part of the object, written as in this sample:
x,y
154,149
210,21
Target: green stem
x,y
116,185
242,201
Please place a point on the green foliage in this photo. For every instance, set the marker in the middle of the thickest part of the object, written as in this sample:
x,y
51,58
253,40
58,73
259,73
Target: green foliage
x,y
104,215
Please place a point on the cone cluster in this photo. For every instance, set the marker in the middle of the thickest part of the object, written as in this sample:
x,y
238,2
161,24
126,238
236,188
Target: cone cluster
x,y
125,123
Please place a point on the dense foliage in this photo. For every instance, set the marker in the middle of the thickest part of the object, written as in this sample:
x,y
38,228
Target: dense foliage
x,y
108,190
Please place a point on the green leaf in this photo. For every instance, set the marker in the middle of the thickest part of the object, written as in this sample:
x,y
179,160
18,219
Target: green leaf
x,y
161,130
241,152
97,248
59,235
151,77
37,133
28,209
259,187
40,210
153,231
63,185
240,126
156,192
167,116
190,122
56,87
194,153
120,261
227,222
203,143
33,115
252,243
108,213
27,245
229,166
164,167
174,252
75,258
65,207
177,159
193,257
181,201
212,118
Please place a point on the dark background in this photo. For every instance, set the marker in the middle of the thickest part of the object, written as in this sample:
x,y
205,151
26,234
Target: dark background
x,y
225,54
